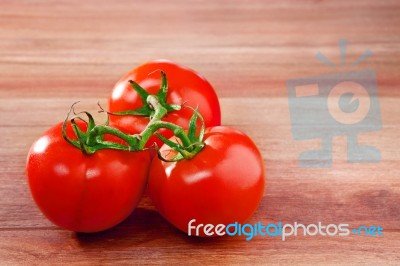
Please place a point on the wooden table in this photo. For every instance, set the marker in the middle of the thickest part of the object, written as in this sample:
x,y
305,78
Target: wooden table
x,y
53,53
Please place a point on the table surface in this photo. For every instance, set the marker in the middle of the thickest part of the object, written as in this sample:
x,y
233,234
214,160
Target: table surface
x,y
53,53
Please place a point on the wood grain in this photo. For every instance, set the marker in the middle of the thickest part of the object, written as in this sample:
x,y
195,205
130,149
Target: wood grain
x,y
53,53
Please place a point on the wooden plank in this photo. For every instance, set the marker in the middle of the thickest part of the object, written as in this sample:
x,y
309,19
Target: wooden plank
x,y
156,244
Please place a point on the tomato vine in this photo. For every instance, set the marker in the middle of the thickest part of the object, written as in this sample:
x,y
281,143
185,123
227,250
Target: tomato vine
x,y
155,107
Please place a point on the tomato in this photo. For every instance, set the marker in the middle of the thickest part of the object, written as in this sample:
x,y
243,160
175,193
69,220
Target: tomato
x,y
185,86
84,193
222,184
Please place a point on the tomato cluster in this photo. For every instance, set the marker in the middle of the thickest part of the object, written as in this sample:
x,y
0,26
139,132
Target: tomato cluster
x,y
87,179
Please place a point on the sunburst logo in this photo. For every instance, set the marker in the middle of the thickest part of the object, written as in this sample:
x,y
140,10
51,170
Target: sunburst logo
x,y
337,104
343,48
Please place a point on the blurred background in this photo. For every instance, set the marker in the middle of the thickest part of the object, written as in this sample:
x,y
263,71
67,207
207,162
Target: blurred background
x,y
245,48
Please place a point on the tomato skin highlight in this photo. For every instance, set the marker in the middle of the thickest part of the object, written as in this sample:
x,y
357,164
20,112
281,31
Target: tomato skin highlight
x,y
84,193
185,86
222,184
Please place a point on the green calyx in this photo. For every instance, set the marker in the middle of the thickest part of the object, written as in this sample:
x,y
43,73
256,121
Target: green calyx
x,y
155,107
190,143
148,109
93,139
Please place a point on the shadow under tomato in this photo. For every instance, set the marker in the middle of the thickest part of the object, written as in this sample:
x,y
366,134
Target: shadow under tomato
x,y
137,228
141,228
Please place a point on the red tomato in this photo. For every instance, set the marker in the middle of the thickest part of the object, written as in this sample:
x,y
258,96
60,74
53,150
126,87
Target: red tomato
x,y
185,86
222,184
84,193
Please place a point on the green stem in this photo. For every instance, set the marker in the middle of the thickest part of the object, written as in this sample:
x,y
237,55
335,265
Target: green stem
x,y
131,140
177,130
160,112
156,123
